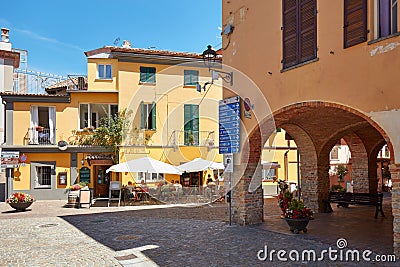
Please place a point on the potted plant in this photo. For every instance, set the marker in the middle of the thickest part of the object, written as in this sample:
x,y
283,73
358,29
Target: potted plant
x,y
295,213
20,201
341,171
73,193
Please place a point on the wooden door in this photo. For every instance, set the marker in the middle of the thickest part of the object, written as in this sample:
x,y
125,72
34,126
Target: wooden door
x,y
101,181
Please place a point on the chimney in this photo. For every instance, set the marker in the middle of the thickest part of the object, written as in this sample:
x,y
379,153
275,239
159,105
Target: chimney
x,y
126,44
4,35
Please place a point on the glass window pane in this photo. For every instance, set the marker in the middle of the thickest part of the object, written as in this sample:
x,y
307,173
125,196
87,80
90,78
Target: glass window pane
x,y
394,16
83,116
108,72
99,114
114,110
101,71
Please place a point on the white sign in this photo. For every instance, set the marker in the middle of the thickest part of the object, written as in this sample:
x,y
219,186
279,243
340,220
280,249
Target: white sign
x,y
9,159
228,162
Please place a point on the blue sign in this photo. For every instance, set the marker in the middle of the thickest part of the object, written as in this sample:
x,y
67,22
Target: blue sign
x,y
229,125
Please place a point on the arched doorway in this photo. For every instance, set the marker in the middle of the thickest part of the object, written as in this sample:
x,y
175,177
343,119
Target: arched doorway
x,y
315,127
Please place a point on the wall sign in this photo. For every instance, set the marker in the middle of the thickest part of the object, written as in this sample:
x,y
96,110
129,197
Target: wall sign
x,y
248,107
9,159
84,175
229,125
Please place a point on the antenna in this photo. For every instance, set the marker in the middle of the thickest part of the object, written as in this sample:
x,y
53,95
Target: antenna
x,y
116,41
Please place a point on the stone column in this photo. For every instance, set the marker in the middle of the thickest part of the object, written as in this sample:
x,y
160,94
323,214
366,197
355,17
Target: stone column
x,y
247,207
395,173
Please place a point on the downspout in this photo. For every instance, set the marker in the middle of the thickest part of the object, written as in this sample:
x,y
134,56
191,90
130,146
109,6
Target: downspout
x,y
286,164
4,114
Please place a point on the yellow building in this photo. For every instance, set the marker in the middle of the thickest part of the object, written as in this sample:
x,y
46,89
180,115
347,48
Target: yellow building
x,y
170,121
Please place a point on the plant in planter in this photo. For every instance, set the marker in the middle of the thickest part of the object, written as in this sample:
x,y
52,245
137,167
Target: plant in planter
x,y
295,213
341,171
20,201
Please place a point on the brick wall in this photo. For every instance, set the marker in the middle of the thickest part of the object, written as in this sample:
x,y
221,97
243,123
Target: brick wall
x,y
395,172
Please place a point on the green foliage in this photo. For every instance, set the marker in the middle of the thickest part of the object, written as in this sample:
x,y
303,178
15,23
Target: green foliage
x,y
338,188
111,131
341,171
297,205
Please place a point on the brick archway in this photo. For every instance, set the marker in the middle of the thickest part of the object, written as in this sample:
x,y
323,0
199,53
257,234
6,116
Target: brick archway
x,y
315,126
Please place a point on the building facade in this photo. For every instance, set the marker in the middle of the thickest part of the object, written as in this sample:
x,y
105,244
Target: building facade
x,y
169,120
322,67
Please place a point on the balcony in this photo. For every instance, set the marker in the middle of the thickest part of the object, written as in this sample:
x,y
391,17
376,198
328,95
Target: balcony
x,y
195,138
39,136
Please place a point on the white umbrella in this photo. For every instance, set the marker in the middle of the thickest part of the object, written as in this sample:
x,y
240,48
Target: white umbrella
x,y
200,164
145,164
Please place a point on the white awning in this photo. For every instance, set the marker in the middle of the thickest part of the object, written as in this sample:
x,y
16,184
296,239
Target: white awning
x,y
200,164
145,164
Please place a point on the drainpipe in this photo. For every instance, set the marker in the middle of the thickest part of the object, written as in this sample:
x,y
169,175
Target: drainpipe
x,y
298,174
286,164
4,126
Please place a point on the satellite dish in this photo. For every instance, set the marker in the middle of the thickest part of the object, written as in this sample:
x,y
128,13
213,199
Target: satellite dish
x,y
116,41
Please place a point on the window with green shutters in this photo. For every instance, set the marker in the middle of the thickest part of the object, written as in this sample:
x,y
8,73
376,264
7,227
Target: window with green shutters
x,y
191,127
147,75
148,116
191,77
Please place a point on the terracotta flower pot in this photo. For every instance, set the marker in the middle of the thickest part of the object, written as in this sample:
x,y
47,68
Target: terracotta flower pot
x,y
20,206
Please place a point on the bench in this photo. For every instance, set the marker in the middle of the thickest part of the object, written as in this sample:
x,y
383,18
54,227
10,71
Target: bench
x,y
346,199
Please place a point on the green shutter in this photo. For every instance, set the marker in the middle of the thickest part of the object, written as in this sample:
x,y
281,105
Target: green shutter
x,y
195,124
154,115
191,126
151,75
142,116
187,122
143,74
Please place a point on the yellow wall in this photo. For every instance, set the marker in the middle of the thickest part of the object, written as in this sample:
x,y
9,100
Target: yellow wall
x,y
22,175
67,114
94,83
170,95
277,140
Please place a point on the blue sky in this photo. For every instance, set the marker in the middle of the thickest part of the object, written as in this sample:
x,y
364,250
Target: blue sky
x,y
56,33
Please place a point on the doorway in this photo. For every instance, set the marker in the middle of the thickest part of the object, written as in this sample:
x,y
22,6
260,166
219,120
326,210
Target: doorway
x,y
101,181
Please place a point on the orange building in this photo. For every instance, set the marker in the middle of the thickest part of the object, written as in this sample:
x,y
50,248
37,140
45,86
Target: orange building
x,y
327,70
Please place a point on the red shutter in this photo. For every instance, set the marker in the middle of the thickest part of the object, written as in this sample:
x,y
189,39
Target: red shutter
x,y
355,22
289,33
308,30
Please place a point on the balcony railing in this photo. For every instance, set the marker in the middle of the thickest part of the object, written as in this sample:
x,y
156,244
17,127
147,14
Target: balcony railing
x,y
77,82
193,138
39,136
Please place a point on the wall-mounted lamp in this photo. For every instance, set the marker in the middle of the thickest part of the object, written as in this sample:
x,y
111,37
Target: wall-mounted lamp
x,y
209,58
83,162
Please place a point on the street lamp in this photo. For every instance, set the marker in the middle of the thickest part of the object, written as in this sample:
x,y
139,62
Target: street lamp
x,y
209,58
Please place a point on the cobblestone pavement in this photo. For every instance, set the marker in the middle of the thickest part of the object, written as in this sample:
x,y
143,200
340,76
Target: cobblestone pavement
x,y
195,236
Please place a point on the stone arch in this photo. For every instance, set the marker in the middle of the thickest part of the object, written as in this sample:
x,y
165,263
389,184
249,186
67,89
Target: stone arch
x,y
314,125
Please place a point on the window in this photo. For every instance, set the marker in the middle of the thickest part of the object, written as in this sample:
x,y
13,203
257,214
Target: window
x,y
335,153
385,17
269,174
45,119
98,112
147,75
148,116
191,126
44,176
355,22
299,31
150,177
191,77
104,71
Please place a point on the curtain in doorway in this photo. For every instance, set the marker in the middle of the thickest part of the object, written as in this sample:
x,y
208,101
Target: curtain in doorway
x,y
52,124
33,139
